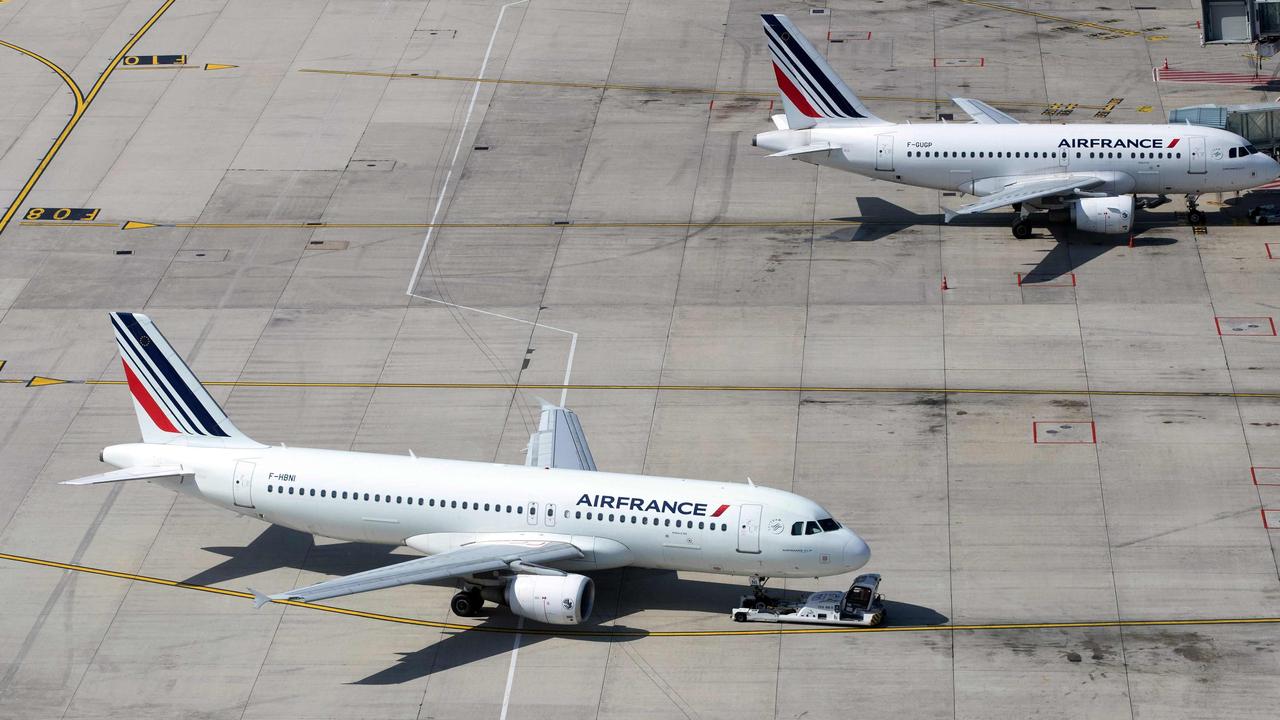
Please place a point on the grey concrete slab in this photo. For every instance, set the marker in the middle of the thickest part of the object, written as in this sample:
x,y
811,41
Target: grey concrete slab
x,y
970,519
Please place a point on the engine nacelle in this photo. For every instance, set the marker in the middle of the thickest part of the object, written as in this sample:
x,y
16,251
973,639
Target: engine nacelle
x,y
551,599
1108,215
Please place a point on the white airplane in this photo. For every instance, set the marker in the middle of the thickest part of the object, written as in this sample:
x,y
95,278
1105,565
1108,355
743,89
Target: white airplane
x,y
515,535
1087,174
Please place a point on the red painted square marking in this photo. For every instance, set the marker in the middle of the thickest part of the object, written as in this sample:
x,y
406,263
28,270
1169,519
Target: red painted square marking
x,y
1271,518
1071,277
1265,475
840,35
1245,326
1064,432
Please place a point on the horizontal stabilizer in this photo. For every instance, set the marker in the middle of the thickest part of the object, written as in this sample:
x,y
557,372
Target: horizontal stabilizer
x,y
805,150
139,472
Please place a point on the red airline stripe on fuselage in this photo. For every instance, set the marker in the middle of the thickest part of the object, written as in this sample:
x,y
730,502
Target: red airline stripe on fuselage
x,y
1174,142
146,401
793,94
720,511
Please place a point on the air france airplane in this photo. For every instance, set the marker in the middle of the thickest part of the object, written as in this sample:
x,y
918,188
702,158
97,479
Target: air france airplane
x,y
515,535
1087,174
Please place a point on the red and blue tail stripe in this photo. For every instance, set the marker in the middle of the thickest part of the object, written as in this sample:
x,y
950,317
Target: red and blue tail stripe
x,y
171,402
808,84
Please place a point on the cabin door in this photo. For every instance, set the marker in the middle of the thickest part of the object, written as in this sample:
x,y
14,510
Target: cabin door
x,y
242,485
1195,154
749,529
884,151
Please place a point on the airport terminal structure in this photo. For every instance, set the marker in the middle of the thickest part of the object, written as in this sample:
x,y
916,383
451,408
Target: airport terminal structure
x,y
621,243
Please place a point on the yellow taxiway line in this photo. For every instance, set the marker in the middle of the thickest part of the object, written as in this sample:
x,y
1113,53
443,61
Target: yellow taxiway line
x,y
631,632
653,88
82,105
44,381
568,225
1052,18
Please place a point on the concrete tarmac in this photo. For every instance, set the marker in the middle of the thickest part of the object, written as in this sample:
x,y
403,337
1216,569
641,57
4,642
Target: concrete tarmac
x,y
344,250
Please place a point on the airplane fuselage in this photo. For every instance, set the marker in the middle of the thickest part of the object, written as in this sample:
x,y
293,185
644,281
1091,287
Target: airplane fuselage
x,y
979,159
436,505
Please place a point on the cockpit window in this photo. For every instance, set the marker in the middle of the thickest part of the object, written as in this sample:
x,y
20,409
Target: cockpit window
x,y
1250,149
797,528
828,524
812,528
1231,152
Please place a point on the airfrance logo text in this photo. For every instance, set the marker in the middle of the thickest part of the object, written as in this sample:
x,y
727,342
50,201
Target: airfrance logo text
x,y
617,502
1147,143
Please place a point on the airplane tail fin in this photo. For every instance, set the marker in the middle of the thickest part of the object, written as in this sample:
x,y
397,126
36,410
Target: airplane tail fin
x,y
171,404
812,93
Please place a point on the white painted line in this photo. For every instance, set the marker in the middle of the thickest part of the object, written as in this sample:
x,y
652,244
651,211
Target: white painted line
x,y
511,670
462,136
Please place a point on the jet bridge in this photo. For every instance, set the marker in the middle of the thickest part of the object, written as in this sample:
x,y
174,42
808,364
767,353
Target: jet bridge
x,y
1259,123
1256,22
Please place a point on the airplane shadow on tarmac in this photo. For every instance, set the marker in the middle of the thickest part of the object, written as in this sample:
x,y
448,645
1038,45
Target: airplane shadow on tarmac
x,y
1073,249
619,593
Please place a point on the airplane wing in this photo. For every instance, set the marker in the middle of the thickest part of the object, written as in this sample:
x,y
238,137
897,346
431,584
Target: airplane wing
x,y
1031,188
982,113
478,557
559,441
138,472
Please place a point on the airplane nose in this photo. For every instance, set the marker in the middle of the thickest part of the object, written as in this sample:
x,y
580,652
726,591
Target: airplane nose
x,y
856,553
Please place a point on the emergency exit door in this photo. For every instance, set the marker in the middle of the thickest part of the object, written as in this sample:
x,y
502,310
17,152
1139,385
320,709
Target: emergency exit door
x,y
242,484
749,529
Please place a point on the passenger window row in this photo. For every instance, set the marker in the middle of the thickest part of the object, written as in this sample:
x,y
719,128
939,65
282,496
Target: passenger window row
x,y
494,507
644,520
1050,155
398,499
981,154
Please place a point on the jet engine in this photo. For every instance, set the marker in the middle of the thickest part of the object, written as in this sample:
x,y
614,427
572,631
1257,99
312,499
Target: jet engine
x,y
551,599
1108,215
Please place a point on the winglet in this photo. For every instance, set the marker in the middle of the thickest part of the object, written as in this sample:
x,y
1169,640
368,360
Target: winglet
x,y
260,599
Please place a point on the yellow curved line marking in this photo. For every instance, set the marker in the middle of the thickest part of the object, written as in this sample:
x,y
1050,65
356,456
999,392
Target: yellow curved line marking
x,y
82,105
649,88
635,633
70,83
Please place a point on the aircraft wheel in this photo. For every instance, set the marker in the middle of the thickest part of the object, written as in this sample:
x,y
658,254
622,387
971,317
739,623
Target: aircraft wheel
x,y
1022,229
466,604
1195,217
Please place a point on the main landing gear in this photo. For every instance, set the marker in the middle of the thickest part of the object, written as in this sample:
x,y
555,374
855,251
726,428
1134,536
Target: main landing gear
x,y
1195,216
1022,226
467,603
